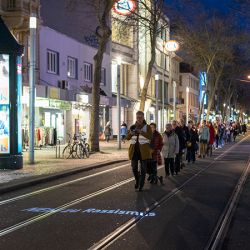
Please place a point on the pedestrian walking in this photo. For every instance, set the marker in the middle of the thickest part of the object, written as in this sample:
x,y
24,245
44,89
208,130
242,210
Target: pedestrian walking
x,y
211,139
204,138
182,144
192,140
170,149
156,146
244,128
140,136
107,131
124,131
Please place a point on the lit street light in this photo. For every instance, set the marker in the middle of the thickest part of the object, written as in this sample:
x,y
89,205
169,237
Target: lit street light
x,y
172,46
33,27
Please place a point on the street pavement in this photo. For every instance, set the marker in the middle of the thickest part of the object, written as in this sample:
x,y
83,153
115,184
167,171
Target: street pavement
x,y
82,210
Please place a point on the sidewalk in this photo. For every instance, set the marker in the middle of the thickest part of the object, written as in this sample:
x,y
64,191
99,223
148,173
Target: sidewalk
x,y
47,164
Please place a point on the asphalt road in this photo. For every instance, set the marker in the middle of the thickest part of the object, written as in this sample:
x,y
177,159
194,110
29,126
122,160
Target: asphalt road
x,y
79,211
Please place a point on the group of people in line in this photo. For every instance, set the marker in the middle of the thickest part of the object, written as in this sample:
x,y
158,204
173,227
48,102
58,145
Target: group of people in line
x,y
178,143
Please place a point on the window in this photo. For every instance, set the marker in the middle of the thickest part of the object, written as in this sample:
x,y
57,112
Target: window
x,y
52,62
72,67
103,79
87,72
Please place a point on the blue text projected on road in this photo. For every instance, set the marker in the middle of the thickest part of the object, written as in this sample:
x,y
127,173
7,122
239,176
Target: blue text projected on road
x,y
89,211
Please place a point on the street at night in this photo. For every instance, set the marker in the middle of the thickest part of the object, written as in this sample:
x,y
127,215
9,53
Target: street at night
x,y
100,208
124,124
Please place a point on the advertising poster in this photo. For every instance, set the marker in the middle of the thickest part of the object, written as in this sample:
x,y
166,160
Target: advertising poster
x,y
19,102
4,105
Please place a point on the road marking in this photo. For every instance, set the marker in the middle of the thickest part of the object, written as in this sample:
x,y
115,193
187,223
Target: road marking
x,y
127,226
4,202
61,208
121,230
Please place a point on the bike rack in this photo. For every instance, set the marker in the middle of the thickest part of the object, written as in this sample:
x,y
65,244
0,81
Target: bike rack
x,y
58,148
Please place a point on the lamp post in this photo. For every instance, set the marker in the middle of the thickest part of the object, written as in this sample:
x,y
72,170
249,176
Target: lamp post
x,y
156,98
187,104
32,26
172,46
119,61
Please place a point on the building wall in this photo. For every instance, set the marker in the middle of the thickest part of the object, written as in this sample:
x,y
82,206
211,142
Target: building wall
x,y
67,46
191,81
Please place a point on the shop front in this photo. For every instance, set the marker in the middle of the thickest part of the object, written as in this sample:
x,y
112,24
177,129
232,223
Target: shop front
x,y
50,117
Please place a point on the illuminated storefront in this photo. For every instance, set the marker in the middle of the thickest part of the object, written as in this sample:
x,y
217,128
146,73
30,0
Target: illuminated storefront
x,y
10,100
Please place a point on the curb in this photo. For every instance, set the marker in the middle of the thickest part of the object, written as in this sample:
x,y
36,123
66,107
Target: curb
x,y
34,181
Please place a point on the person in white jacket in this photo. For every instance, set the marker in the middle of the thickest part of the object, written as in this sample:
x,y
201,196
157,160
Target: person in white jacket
x,y
170,149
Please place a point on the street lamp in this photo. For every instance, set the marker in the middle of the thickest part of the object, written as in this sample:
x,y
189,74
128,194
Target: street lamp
x,y
172,46
187,104
156,98
119,62
33,27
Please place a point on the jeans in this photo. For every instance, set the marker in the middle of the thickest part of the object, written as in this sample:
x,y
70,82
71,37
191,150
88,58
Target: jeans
x,y
191,154
178,162
139,174
169,163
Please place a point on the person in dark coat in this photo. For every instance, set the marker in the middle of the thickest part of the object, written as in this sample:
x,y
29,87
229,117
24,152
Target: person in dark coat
x,y
156,146
192,140
211,139
182,145
244,128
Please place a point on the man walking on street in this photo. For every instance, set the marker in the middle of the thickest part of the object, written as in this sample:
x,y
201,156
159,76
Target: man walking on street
x,y
140,135
204,137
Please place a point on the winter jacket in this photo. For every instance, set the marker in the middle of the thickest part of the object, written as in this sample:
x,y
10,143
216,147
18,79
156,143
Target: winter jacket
x,y
156,144
211,135
204,134
170,145
124,130
144,140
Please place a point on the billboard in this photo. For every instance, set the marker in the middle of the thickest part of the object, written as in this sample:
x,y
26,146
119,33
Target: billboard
x,y
4,104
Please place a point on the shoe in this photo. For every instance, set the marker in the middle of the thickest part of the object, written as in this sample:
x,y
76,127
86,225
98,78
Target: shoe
x,y
136,185
161,180
140,188
149,178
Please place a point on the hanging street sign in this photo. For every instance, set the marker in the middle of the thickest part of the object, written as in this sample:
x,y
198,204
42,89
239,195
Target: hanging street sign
x,y
124,7
172,45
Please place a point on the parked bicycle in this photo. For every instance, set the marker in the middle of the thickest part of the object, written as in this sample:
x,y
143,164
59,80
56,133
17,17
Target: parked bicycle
x,y
70,149
82,148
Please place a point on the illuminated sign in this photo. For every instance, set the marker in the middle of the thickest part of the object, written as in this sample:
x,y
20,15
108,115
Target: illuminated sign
x,y
89,211
4,105
172,46
124,7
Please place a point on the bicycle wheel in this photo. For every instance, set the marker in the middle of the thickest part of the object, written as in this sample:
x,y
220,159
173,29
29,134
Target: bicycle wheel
x,y
87,146
79,151
86,152
74,150
66,152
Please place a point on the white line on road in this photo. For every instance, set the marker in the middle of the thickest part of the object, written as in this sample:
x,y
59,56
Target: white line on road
x,y
4,202
59,209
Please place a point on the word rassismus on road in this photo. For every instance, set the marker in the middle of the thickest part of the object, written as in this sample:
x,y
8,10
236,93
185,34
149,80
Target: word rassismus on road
x,y
89,211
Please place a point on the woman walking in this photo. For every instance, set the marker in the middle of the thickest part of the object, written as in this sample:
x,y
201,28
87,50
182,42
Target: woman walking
x,y
170,149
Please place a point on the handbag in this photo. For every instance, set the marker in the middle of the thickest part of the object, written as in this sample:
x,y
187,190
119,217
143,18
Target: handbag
x,y
189,144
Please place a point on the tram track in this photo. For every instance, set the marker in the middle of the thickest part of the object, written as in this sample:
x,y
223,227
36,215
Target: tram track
x,y
126,227
221,225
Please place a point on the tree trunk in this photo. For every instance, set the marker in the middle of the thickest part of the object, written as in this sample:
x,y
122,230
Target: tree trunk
x,y
103,33
211,96
201,108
